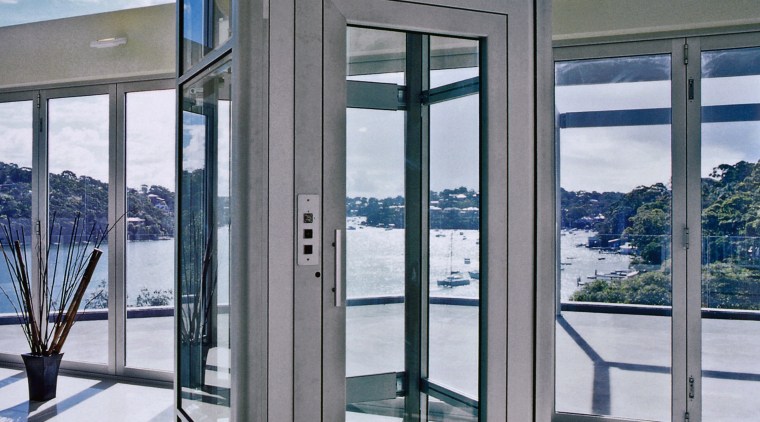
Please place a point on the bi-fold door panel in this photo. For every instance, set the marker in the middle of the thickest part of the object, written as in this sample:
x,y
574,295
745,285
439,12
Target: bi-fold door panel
x,y
727,270
654,321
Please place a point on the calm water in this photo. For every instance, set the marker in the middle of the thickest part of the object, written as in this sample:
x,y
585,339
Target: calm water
x,y
375,263
580,262
375,260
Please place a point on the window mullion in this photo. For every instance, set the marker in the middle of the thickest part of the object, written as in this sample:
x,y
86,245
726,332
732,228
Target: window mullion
x,y
417,199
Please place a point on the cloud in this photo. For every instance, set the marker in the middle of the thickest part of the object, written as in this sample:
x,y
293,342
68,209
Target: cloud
x,y
8,1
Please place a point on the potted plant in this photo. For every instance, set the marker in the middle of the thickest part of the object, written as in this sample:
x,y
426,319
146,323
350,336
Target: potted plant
x,y
47,305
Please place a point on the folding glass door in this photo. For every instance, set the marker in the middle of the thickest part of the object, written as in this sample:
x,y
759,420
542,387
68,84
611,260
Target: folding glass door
x,y
658,198
729,171
614,289
17,129
70,153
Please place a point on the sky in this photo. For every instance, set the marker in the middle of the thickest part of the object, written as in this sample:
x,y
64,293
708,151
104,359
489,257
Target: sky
x,y
619,159
15,12
78,136
375,142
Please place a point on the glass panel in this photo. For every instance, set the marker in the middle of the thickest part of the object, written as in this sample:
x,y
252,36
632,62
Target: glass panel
x,y
374,241
207,25
376,56
204,357
730,234
78,161
454,266
452,60
150,148
16,134
614,238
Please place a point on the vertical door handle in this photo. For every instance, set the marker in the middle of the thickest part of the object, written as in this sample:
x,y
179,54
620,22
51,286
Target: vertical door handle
x,y
338,268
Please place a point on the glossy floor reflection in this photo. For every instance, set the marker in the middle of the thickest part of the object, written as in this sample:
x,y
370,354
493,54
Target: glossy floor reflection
x,y
83,400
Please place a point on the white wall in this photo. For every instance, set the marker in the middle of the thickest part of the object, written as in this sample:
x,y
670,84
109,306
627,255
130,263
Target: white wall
x,y
580,19
59,51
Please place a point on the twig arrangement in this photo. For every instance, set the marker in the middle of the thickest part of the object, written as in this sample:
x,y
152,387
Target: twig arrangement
x,y
47,311
199,283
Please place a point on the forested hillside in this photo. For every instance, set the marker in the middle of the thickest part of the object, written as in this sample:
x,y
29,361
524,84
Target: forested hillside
x,y
150,214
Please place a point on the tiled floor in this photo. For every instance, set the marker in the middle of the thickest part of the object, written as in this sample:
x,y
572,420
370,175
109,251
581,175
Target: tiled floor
x,y
84,400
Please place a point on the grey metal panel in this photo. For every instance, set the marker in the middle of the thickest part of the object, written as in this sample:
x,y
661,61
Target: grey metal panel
x,y
334,185
547,227
492,6
371,95
693,219
374,387
117,198
716,42
638,48
249,281
308,290
679,220
417,182
521,207
281,209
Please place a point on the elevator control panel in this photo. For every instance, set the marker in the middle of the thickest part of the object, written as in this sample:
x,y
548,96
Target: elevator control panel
x,y
307,224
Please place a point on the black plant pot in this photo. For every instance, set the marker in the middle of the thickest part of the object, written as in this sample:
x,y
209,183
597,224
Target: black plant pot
x,y
42,375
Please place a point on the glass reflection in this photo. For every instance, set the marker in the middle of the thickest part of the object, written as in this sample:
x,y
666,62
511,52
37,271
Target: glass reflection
x,y
454,266
204,221
376,56
206,26
16,132
453,60
150,154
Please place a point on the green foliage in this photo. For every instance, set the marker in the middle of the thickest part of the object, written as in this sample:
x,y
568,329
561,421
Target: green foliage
x,y
155,297
450,209
730,244
98,299
729,286
151,211
653,288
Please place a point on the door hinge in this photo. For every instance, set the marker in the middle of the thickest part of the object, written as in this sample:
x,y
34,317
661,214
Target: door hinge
x,y
425,97
686,53
686,417
38,100
686,237
691,387
37,227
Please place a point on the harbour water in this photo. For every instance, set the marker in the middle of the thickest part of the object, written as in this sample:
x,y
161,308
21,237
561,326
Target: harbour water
x,y
375,263
375,260
578,262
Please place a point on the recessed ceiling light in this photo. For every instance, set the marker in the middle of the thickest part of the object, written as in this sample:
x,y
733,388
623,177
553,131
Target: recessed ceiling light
x,y
108,42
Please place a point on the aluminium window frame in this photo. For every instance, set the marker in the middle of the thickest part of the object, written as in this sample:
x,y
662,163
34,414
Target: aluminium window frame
x,y
115,366
686,141
548,230
498,103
